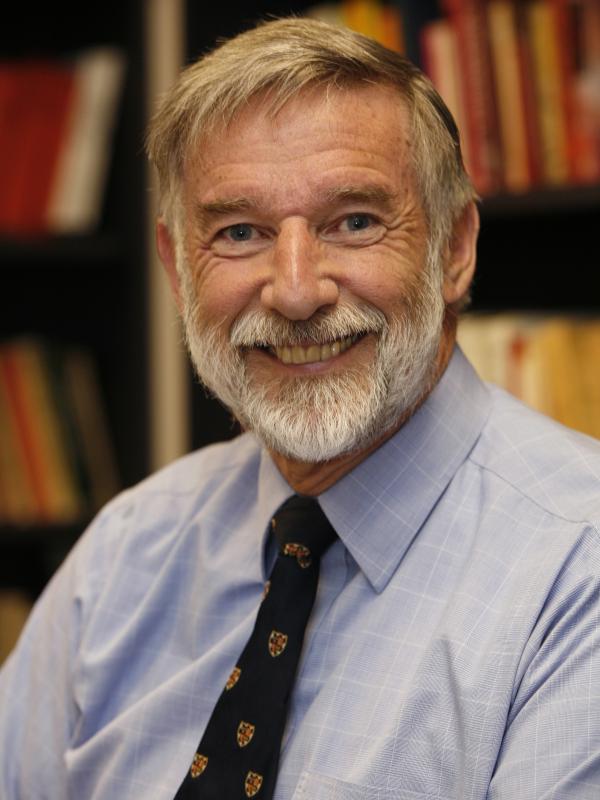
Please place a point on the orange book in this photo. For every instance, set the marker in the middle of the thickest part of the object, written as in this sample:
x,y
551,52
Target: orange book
x,y
529,96
29,391
548,79
506,55
22,422
19,502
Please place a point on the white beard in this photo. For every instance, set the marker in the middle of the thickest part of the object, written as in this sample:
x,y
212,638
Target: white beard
x,y
317,417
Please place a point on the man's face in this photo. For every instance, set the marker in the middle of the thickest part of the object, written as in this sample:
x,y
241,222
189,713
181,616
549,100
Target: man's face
x,y
312,307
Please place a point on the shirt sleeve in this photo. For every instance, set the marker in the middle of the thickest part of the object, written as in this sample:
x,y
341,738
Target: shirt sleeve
x,y
38,708
551,746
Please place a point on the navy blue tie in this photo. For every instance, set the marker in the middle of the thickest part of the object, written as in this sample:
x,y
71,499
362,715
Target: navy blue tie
x,y
238,755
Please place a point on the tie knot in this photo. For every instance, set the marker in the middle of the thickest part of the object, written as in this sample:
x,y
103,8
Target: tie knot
x,y
301,524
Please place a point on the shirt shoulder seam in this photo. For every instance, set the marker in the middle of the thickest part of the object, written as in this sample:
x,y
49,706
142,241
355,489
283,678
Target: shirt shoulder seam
x,y
595,525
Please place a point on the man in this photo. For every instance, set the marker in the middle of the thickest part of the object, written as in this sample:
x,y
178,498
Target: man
x,y
319,233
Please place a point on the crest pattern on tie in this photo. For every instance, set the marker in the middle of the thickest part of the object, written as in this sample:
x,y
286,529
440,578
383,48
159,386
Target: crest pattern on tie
x,y
238,754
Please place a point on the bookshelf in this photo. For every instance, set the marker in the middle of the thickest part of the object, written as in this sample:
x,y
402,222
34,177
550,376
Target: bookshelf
x,y
85,289
100,290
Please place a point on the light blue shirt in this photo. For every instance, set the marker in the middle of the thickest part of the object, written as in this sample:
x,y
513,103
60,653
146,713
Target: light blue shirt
x,y
453,651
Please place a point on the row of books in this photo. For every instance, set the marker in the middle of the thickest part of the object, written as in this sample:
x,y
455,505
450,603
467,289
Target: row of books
x,y
521,77
57,119
57,463
551,363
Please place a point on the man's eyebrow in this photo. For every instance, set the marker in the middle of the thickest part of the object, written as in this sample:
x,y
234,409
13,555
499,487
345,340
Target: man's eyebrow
x,y
360,194
205,212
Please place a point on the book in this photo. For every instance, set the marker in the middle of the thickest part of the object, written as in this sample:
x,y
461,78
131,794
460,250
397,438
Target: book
x,y
42,96
469,20
57,491
22,420
439,50
529,96
587,348
364,16
84,398
57,462
15,139
549,362
75,202
510,94
585,90
548,79
19,500
381,22
57,120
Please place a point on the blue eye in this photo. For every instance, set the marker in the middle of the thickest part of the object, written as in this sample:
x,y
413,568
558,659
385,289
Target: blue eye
x,y
240,233
358,222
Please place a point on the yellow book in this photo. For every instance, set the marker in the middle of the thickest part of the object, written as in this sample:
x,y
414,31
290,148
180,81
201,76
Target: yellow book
x,y
547,76
557,352
587,337
504,48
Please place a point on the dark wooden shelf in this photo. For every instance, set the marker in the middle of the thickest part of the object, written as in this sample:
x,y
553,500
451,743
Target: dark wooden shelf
x,y
560,200
77,251
87,291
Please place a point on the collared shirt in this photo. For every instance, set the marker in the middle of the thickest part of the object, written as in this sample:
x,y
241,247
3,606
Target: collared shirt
x,y
453,651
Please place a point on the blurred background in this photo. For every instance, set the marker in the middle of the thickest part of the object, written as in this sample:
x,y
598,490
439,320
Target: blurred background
x,y
95,389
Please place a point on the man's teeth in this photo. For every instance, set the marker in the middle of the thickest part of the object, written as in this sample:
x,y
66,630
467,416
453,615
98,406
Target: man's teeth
x,y
314,352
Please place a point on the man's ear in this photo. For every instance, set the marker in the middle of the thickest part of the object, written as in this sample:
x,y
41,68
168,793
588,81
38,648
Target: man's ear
x,y
167,253
461,256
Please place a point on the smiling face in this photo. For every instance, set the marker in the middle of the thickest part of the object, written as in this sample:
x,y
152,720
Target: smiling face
x,y
312,306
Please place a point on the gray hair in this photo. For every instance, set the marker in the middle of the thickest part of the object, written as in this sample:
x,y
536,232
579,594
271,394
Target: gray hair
x,y
284,57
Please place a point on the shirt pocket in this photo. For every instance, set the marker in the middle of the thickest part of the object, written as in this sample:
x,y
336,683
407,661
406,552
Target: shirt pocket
x,y
312,786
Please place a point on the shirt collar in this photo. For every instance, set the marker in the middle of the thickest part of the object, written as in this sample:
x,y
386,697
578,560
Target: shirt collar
x,y
379,507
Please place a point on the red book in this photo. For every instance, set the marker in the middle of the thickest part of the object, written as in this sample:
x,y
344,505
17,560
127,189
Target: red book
x,y
439,56
10,139
42,105
468,18
584,93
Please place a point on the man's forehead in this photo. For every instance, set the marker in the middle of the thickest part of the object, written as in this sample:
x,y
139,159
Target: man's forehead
x,y
333,103
319,150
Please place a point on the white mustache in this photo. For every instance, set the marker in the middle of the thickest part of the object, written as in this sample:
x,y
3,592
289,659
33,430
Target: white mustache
x,y
267,329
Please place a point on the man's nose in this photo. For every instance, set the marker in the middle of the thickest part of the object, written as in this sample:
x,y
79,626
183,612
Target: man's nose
x,y
299,282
